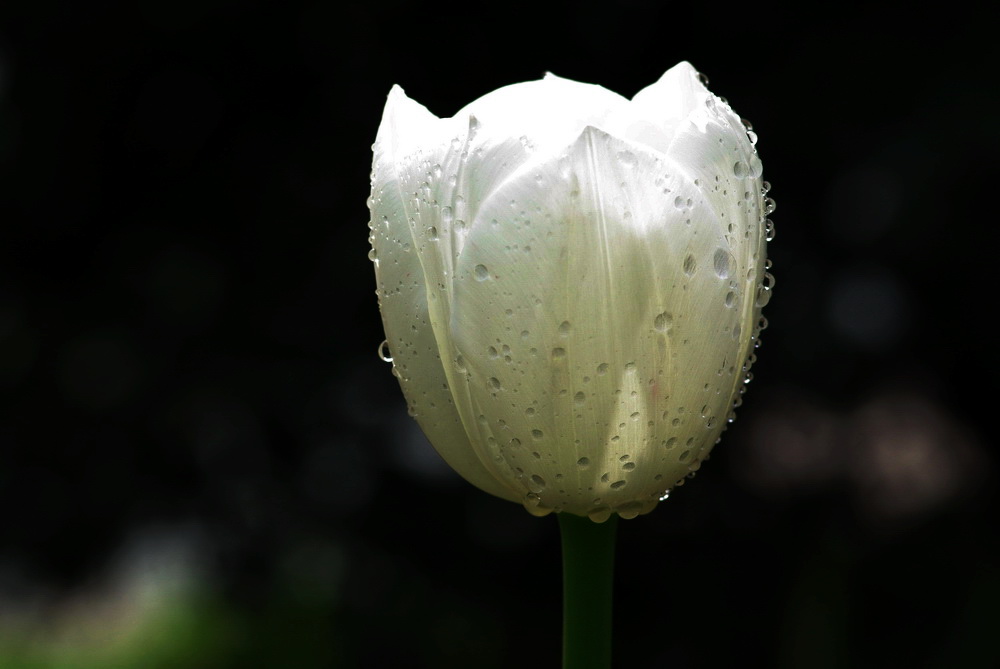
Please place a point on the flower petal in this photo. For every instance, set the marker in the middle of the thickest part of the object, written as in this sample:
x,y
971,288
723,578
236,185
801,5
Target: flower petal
x,y
406,292
591,308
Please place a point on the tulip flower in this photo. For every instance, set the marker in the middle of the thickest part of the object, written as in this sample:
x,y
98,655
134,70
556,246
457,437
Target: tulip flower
x,y
571,283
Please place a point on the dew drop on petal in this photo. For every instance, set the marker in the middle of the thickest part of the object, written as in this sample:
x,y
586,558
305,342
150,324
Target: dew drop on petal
x,y
536,483
721,262
600,514
482,273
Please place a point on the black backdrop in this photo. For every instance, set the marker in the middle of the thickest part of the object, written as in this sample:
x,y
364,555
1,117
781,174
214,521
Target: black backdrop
x,y
195,421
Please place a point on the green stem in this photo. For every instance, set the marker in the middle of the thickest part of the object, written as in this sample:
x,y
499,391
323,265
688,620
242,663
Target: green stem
x,y
588,573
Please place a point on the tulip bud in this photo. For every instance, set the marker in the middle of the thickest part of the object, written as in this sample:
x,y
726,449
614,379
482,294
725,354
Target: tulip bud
x,y
571,284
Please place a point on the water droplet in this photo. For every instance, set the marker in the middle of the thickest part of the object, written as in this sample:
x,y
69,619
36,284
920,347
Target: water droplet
x,y
630,367
671,442
769,230
635,415
730,299
605,477
618,485
432,233
662,321
558,353
580,398
721,262
583,463
602,368
740,169
565,328
446,215
494,383
685,455
627,158
628,466
703,79
482,273
492,352
536,483
460,364
537,434
372,255
763,297
690,265
383,351
769,206
600,514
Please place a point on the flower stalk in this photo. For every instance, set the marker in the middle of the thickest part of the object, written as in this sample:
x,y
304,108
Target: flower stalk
x,y
588,550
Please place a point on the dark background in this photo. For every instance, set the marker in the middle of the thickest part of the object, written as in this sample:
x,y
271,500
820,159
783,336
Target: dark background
x,y
203,462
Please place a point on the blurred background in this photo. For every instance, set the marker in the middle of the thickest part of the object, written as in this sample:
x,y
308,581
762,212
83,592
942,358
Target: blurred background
x,y
204,463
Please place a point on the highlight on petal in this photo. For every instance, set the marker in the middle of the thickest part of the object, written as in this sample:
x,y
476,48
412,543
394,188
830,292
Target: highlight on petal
x,y
547,113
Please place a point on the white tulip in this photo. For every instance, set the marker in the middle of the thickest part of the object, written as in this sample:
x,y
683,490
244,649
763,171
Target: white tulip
x,y
571,284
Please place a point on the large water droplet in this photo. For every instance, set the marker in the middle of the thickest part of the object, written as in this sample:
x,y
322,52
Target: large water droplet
x,y
536,483
383,351
662,321
600,514
721,263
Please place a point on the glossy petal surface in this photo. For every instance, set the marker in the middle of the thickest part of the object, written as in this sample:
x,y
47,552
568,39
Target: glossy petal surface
x,y
569,284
